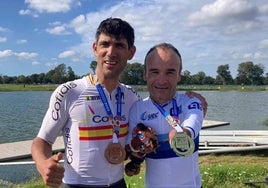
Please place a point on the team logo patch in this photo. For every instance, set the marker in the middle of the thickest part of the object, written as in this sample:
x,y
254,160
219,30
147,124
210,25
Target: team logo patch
x,y
195,105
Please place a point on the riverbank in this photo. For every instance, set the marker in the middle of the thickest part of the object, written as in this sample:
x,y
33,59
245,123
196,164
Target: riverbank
x,y
51,87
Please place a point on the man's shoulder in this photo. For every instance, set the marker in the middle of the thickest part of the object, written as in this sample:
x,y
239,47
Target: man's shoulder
x,y
130,91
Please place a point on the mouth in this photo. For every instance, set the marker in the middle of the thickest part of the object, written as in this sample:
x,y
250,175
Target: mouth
x,y
161,87
110,62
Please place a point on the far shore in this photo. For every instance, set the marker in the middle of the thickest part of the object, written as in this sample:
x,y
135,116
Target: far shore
x,y
52,87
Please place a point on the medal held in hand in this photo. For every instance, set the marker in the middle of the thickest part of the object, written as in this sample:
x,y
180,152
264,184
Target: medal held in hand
x,y
181,143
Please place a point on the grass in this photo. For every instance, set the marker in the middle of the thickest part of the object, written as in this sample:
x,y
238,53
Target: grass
x,y
51,87
217,171
27,87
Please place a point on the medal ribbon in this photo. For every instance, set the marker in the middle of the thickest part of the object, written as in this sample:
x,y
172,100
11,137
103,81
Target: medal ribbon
x,y
181,143
115,123
171,120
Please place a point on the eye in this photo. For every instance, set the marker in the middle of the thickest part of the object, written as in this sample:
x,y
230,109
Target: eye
x,y
121,45
153,71
103,44
171,73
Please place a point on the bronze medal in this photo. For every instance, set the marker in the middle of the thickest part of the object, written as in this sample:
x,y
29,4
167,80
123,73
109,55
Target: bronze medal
x,y
115,153
182,144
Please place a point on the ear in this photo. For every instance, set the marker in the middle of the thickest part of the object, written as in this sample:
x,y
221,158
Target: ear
x,y
179,77
132,51
94,47
144,76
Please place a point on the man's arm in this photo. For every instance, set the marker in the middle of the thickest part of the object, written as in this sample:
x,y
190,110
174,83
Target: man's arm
x,y
47,165
201,98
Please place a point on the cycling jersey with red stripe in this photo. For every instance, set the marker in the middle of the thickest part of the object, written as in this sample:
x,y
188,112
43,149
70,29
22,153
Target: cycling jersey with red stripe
x,y
77,111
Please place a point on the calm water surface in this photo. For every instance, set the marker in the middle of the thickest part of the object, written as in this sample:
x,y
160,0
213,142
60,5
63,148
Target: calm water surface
x,y
21,113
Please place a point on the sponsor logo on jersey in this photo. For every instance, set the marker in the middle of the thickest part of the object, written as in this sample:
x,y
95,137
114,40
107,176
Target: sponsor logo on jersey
x,y
92,98
195,105
61,92
69,148
104,119
147,116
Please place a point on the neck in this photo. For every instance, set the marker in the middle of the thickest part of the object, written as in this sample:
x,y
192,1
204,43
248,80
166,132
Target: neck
x,y
161,101
108,83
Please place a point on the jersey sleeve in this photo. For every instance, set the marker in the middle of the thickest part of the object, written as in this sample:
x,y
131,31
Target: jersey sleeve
x,y
192,115
57,113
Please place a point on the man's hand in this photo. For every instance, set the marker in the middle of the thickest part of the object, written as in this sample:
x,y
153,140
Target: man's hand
x,y
51,171
201,98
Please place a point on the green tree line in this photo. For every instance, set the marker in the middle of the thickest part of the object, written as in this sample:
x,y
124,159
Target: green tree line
x,y
248,73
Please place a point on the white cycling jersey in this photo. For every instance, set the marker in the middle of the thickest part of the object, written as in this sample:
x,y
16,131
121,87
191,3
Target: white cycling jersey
x,y
164,169
77,111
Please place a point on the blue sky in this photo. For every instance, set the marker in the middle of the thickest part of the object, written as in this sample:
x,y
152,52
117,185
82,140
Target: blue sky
x,y
38,35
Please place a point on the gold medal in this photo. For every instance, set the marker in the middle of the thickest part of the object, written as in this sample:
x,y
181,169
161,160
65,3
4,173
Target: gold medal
x,y
115,153
181,143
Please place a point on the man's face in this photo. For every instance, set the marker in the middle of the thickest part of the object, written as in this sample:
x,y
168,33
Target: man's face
x,y
162,74
112,55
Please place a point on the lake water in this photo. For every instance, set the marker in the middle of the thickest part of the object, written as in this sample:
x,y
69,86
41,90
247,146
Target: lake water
x,y
21,113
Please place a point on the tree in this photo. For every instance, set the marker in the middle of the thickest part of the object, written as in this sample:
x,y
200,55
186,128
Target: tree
x,y
21,79
208,80
59,73
93,65
132,74
250,74
224,76
70,74
34,78
186,77
199,78
257,74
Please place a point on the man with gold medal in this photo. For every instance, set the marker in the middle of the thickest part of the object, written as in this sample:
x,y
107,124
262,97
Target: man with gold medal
x,y
176,120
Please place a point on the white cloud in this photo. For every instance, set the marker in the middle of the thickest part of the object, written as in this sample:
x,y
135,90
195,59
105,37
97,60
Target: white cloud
x,y
264,9
224,11
249,56
50,6
70,54
263,44
3,39
25,55
67,54
36,63
28,12
58,30
21,55
21,41
3,29
6,53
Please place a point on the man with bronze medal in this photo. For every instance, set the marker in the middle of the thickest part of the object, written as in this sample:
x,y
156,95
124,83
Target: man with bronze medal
x,y
176,120
93,116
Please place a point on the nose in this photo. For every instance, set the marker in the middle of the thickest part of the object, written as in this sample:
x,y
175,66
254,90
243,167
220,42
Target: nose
x,y
162,79
111,50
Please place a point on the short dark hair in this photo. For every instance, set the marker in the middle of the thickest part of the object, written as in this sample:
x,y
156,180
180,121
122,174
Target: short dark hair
x,y
117,28
164,46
